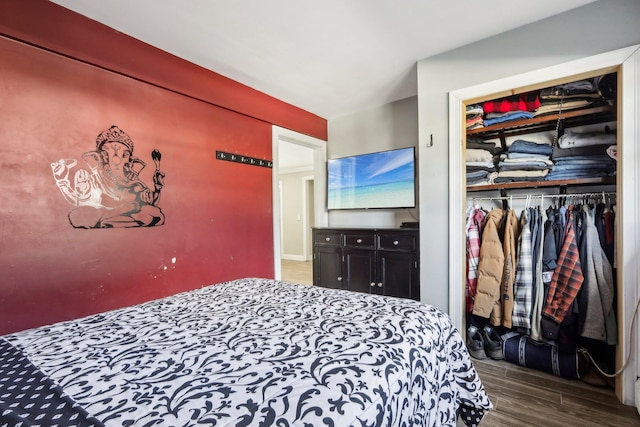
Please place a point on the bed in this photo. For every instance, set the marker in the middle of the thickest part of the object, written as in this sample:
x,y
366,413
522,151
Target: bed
x,y
249,352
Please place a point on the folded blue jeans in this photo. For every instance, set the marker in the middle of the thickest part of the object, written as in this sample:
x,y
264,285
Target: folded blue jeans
x,y
523,146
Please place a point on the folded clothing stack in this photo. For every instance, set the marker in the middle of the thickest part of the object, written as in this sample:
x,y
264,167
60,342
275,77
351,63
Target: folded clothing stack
x,y
514,107
569,96
584,155
474,115
481,161
524,161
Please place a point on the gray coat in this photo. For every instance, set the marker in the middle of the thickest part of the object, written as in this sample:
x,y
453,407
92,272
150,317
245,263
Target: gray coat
x,y
598,285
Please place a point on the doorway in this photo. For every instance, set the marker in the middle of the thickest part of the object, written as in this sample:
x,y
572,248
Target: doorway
x,y
313,190
295,173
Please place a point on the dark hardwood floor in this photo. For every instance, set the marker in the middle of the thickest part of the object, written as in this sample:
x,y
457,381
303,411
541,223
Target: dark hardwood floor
x,y
527,397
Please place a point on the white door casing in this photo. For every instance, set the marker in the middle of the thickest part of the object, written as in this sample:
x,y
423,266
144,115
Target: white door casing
x,y
320,183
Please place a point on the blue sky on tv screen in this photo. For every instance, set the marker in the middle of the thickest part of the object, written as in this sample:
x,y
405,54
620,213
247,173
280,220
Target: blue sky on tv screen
x,y
372,169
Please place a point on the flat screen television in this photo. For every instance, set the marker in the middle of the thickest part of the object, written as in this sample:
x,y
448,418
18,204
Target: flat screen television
x,y
381,180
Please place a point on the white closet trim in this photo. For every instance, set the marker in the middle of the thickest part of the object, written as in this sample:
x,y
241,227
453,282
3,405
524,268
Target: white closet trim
x,y
628,59
628,225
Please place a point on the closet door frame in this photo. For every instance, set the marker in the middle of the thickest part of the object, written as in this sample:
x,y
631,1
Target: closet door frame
x,y
626,62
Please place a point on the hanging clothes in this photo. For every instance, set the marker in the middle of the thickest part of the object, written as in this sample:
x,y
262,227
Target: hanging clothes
x,y
553,239
546,274
596,295
511,235
490,270
538,294
496,268
475,217
604,221
565,284
523,286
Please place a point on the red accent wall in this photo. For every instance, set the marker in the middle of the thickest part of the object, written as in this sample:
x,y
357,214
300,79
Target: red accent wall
x,y
52,27
218,214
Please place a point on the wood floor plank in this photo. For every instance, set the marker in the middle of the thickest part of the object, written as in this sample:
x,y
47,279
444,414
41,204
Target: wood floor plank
x,y
504,387
491,369
605,413
498,419
574,387
526,412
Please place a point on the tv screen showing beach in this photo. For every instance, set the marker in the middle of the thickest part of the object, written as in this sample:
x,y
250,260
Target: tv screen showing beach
x,y
384,179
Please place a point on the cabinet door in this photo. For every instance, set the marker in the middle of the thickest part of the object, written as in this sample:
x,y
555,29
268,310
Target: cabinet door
x,y
398,274
359,265
327,266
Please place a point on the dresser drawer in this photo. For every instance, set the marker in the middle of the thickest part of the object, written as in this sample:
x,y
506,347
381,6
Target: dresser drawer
x,y
360,240
328,238
398,241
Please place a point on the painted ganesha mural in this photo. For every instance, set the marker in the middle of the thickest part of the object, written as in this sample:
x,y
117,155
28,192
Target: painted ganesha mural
x,y
108,192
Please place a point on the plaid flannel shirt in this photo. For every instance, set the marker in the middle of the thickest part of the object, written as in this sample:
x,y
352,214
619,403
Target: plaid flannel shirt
x,y
473,254
567,277
523,286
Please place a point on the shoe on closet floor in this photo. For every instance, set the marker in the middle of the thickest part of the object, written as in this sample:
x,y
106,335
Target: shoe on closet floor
x,y
475,343
492,343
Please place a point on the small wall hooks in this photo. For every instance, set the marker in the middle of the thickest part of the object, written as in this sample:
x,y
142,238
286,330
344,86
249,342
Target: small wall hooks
x,y
238,158
430,142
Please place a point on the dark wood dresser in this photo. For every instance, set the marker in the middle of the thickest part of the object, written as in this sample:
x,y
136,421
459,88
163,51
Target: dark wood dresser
x,y
382,261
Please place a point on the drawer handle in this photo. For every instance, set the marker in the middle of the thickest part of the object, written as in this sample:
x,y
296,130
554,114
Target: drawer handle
x,y
380,284
328,239
373,284
359,241
395,242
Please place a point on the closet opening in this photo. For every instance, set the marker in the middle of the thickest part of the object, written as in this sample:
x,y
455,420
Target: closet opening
x,y
615,191
540,263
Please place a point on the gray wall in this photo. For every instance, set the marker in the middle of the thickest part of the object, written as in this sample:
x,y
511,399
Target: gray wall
x,y
592,29
293,211
394,125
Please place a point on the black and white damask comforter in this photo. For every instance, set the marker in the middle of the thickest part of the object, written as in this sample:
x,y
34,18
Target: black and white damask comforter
x,y
257,352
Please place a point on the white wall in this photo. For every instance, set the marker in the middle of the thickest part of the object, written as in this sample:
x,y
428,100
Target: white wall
x,y
595,28
390,126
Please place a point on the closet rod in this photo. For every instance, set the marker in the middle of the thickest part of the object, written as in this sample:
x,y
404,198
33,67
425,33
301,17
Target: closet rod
x,y
548,196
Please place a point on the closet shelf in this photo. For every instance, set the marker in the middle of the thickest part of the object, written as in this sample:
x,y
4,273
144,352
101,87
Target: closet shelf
x,y
547,122
610,180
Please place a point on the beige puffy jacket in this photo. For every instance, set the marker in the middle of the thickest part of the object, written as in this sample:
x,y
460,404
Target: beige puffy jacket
x,y
496,268
511,235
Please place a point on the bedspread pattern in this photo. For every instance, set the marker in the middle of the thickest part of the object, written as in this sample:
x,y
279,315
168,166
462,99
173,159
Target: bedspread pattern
x,y
29,398
263,352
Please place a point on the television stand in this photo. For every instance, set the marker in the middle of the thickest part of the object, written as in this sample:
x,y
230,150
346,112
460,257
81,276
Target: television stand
x,y
376,261
415,224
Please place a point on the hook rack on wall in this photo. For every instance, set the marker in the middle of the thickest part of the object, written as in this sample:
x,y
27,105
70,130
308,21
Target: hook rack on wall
x,y
238,158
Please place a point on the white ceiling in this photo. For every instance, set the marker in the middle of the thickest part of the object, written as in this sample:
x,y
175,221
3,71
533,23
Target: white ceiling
x,y
329,57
